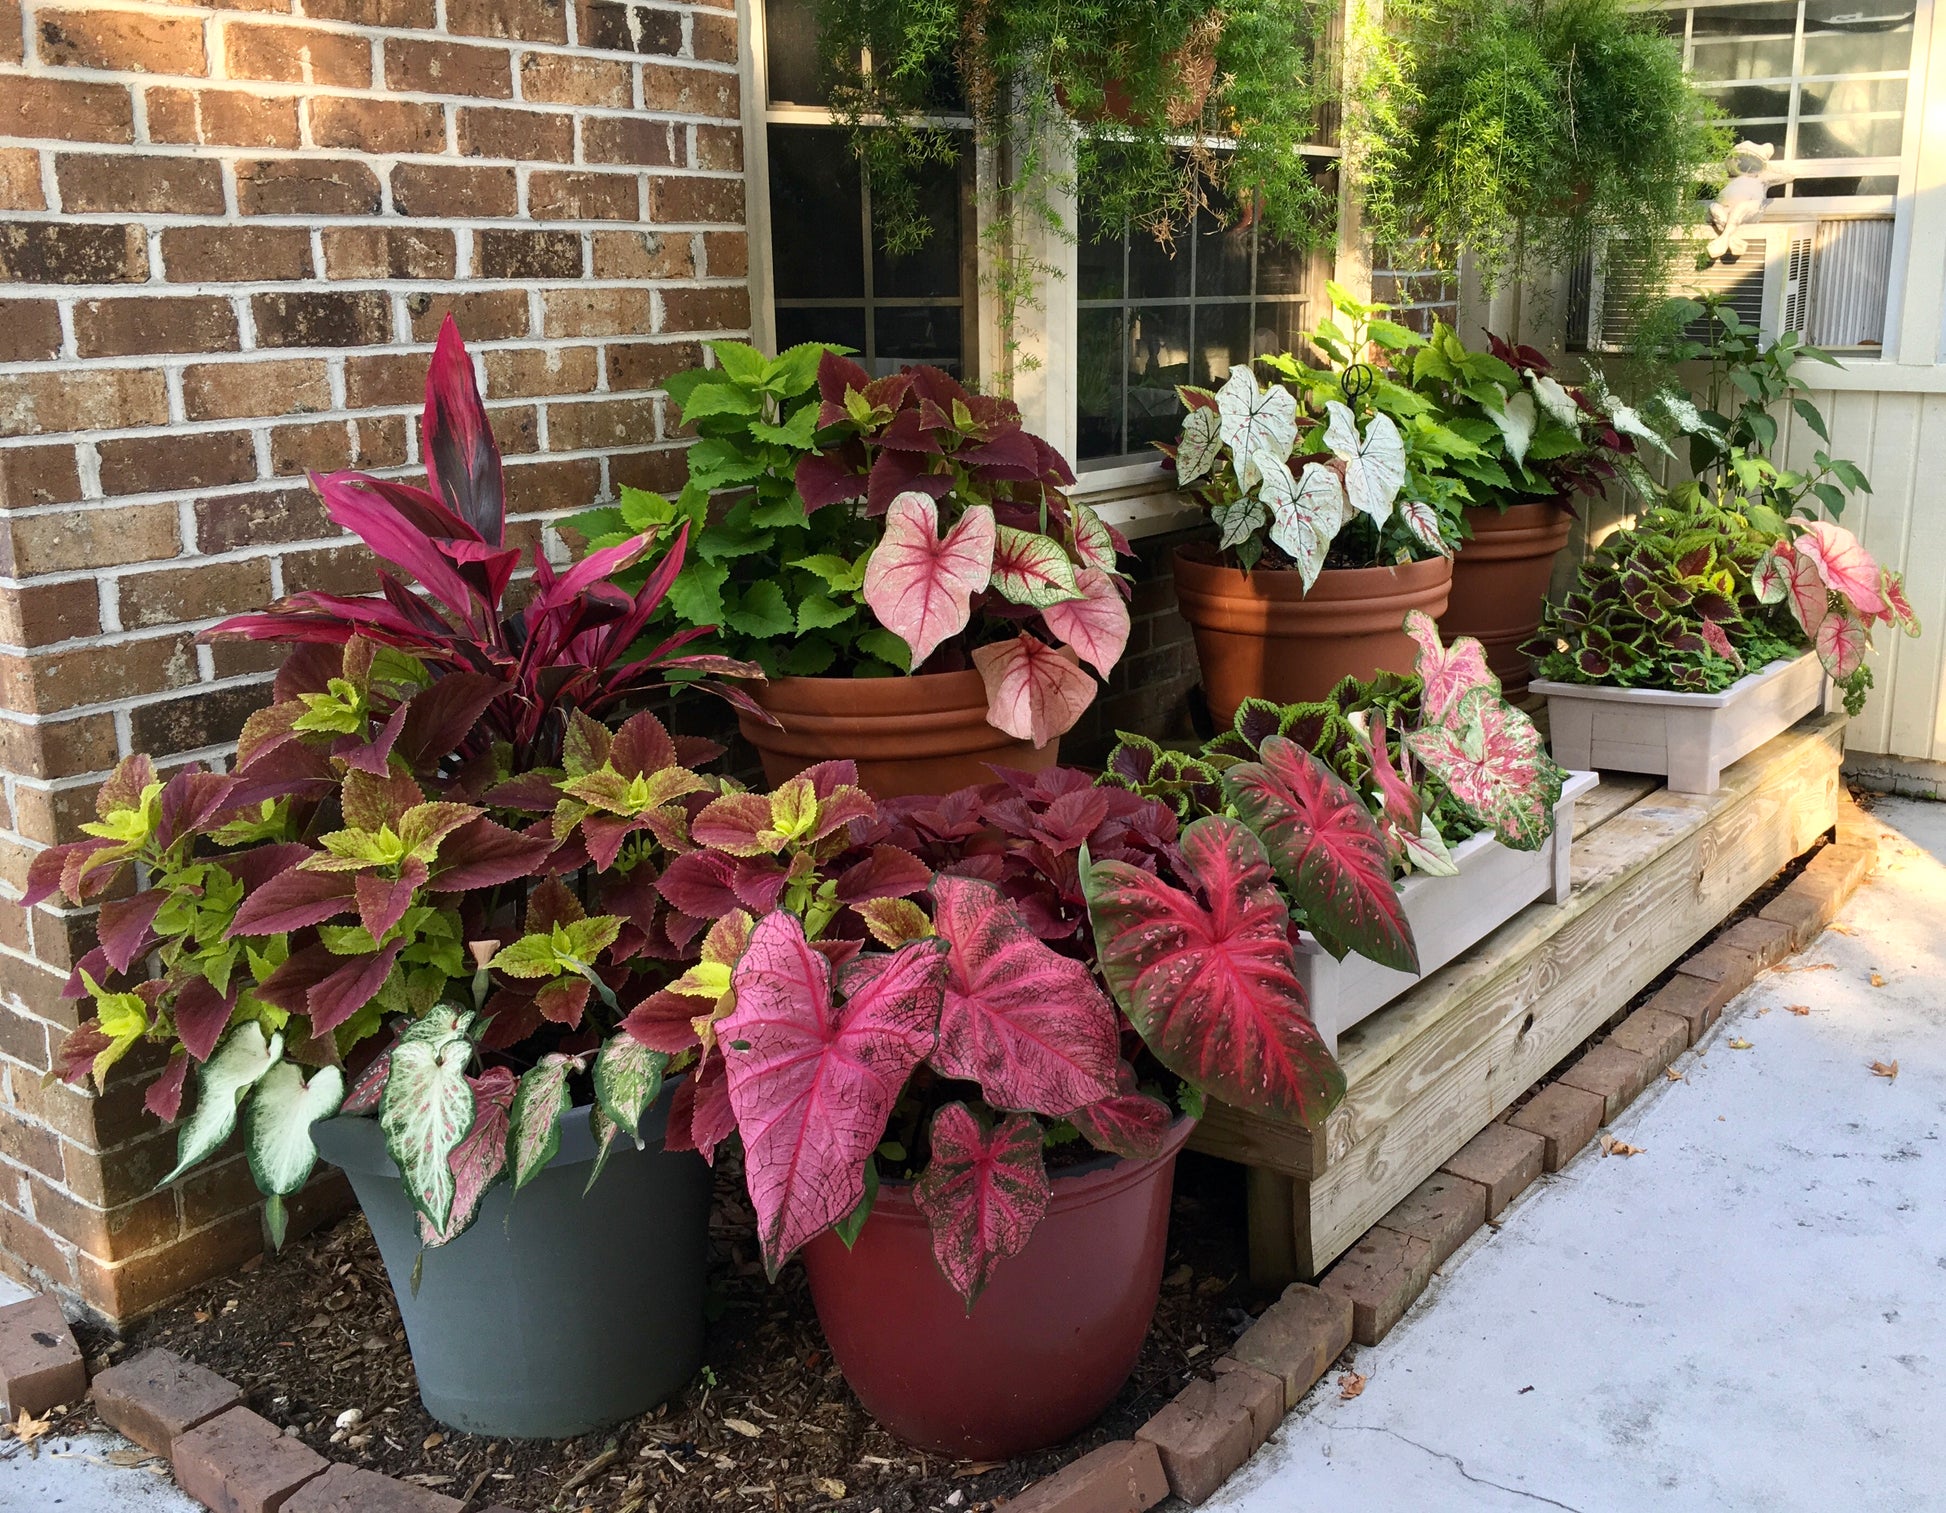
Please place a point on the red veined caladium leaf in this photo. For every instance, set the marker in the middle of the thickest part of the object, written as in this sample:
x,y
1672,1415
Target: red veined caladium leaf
x,y
1034,693
1028,1025
428,1107
1449,673
1843,563
1096,624
1327,849
1898,608
477,1161
1493,761
1131,1124
1029,568
1423,521
1770,578
813,1082
1810,600
1842,641
982,1194
1718,641
1211,983
921,585
368,1087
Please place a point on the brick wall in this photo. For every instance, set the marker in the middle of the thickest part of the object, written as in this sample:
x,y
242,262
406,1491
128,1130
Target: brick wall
x,y
228,234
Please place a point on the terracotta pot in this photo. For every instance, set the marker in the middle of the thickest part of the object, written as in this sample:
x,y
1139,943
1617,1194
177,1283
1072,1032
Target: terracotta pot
x,y
1047,1345
1260,635
1500,581
927,733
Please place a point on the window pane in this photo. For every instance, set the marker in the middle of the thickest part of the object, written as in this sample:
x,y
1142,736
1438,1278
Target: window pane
x,y
1222,341
1098,384
1222,255
1277,326
1754,100
932,270
1158,360
1873,183
796,69
843,325
1156,271
1844,37
918,333
814,184
1853,137
1098,261
1838,97
1744,41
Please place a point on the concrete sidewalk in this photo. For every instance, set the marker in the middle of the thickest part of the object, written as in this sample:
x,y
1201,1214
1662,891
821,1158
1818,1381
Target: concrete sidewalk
x,y
1750,1314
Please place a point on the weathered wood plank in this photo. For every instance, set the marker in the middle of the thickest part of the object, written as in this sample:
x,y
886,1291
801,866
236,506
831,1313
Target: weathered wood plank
x,y
1616,792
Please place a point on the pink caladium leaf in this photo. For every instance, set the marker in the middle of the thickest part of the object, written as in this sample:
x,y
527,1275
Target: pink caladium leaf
x,y
1809,598
1898,608
1029,568
1327,849
1094,542
813,1082
920,584
1449,673
1028,1025
1131,1124
1493,761
478,1161
1843,563
369,1087
1842,640
982,1194
1718,641
1034,693
1210,983
1096,624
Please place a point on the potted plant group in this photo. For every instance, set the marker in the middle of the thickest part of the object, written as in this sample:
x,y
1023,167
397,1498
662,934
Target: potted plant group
x,y
897,554
365,943
1335,516
1477,818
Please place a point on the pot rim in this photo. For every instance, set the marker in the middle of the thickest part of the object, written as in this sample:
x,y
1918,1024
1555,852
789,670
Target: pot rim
x,y
1201,557
577,1140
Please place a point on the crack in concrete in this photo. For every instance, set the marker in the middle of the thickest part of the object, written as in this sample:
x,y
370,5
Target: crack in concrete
x,y
1459,1465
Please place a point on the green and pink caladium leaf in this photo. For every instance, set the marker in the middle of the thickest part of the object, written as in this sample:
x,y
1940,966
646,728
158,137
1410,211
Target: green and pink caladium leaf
x,y
534,1128
1898,608
812,1081
1493,761
1842,640
1034,692
1094,623
1210,982
479,1160
628,1079
1448,673
1026,1024
1422,520
1095,542
982,1193
1131,1124
1844,565
919,584
1810,600
1327,849
428,1107
1770,579
1029,568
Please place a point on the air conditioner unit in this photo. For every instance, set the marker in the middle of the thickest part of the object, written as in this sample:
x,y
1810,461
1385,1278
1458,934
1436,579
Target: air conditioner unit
x,y
1825,278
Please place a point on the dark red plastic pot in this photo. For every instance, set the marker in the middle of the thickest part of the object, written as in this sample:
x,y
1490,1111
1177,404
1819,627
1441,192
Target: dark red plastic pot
x,y
1047,1346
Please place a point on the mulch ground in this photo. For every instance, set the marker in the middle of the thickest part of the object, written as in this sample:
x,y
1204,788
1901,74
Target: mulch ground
x,y
313,1336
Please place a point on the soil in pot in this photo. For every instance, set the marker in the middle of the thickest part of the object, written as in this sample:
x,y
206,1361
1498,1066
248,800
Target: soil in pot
x,y
513,1330
1046,1346
927,733
1260,635
1500,581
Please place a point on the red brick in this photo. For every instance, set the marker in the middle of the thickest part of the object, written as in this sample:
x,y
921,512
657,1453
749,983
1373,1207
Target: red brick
x,y
231,390
454,191
566,483
240,1463
515,20
1263,1393
322,319
1204,1435
648,365
1444,1211
66,109
20,179
307,187
199,591
53,252
101,183
1565,1117
80,539
482,314
58,748
726,254
516,428
352,1489
712,310
30,330
385,378
1731,968
40,1365
265,518
1848,862
12,38
31,1253
221,117
1123,1477
600,423
583,197
1297,1338
230,254
527,254
180,460
388,252
616,28
714,37
529,136
143,324
156,1397
122,41
449,68
331,446
643,254
1809,904
1657,1037
690,91
1503,1160
42,614
377,126
593,312
213,717
296,55
1766,939
660,471
1612,1073
564,79
719,148
1382,1276
412,15
641,141
517,372
1697,1003
692,198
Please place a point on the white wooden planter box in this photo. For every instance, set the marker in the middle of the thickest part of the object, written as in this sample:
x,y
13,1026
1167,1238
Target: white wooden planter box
x,y
1687,737
1448,915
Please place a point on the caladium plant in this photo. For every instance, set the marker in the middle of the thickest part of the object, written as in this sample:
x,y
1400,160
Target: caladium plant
x,y
897,524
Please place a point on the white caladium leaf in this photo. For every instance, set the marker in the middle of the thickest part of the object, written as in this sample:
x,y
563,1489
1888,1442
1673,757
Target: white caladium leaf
x,y
277,1133
1625,420
1427,850
1374,467
1516,418
1238,521
1306,515
1254,421
628,1078
428,1107
1557,401
1202,442
236,1066
534,1131
1685,416
1029,568
1422,520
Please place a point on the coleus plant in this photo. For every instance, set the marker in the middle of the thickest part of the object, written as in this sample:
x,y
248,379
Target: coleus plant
x,y
875,526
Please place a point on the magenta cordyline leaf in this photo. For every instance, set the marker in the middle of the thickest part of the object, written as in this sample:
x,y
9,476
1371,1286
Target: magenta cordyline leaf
x,y
1211,984
982,1194
1029,1026
1718,641
1448,672
1034,693
1844,564
813,1082
461,459
1029,568
921,585
1327,849
1842,641
1096,624
1493,761
479,1159
1131,1124
1810,599
369,509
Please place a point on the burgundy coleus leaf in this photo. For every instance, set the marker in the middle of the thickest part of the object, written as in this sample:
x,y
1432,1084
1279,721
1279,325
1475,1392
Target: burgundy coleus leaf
x,y
1843,563
813,1081
1034,692
1449,673
202,1014
1328,851
382,902
478,1161
482,854
700,1115
828,478
164,1096
292,900
1211,983
920,584
74,1059
1028,1025
1842,640
1494,762
188,801
123,926
1131,1124
982,1194
1096,624
337,996
886,872
462,462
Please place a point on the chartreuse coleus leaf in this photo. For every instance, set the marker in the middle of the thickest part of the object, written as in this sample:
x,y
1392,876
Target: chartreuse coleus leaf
x,y
236,1066
534,1132
428,1107
277,1132
570,946
628,1078
122,1017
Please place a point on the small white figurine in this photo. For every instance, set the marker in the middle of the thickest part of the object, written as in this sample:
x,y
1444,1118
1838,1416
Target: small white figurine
x,y
1742,200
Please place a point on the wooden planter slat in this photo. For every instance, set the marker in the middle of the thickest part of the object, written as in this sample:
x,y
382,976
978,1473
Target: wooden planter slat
x,y
1431,1069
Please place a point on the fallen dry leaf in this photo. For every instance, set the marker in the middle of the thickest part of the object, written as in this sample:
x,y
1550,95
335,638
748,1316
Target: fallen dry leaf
x,y
1673,1075
1763,1011
1181,1277
1740,1044
830,1486
744,1427
27,1428
1877,981
1610,1146
1816,966
1799,1009
1839,929
1889,1070
1350,1384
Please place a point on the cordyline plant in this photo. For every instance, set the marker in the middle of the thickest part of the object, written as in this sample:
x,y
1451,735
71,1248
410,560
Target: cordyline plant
x,y
1060,963
1436,756
881,526
371,875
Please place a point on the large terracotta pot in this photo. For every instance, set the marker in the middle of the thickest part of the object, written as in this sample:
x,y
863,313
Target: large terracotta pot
x,y
1500,581
1260,635
1047,1345
926,733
